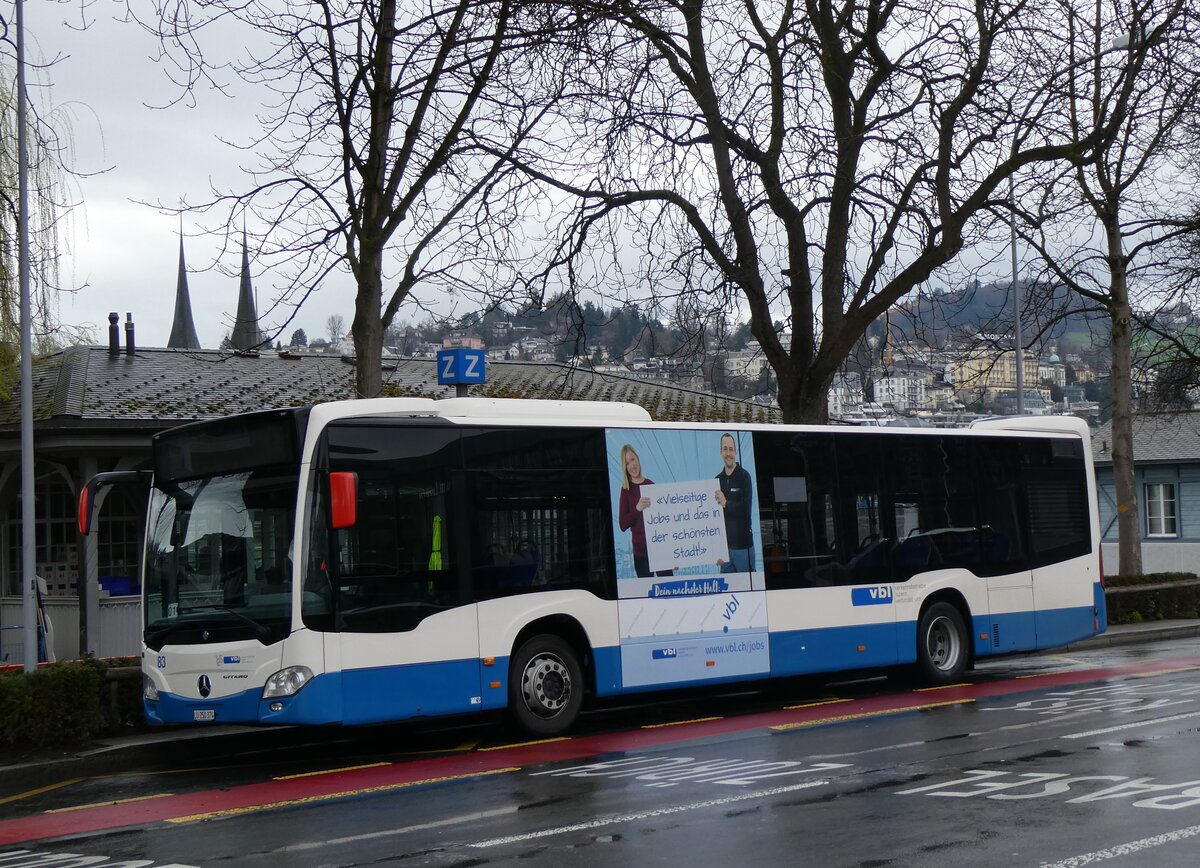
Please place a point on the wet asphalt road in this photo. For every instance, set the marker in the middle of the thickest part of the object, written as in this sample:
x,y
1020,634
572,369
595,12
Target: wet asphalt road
x,y
1077,759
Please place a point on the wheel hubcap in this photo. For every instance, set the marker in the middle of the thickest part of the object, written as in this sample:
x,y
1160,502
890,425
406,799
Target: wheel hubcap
x,y
942,642
546,685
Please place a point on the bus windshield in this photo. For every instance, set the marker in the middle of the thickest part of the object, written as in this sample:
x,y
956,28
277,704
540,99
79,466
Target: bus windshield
x,y
219,562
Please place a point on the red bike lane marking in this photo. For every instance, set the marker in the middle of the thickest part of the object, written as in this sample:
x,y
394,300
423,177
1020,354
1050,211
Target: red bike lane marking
x,y
364,781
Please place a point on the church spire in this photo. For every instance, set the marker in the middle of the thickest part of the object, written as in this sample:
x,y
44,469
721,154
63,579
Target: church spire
x,y
246,334
183,328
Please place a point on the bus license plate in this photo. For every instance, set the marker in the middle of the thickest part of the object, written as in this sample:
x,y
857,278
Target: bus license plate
x,y
204,714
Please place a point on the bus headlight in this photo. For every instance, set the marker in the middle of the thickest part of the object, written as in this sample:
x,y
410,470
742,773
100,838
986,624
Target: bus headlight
x,y
287,682
149,691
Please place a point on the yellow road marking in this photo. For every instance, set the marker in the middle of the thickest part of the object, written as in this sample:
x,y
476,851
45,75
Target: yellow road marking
x,y
308,800
28,794
814,704
106,804
524,744
329,771
783,727
680,722
943,687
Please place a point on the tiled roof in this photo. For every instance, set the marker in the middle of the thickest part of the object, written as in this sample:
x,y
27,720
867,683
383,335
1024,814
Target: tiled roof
x,y
86,387
1157,437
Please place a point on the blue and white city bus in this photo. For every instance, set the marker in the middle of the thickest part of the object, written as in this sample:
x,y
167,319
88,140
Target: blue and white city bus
x,y
384,559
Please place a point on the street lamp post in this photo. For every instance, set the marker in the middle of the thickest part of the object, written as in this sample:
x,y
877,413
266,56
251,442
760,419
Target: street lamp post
x,y
28,529
872,347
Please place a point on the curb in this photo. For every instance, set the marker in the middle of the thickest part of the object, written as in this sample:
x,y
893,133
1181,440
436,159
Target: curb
x,y
127,754
1135,635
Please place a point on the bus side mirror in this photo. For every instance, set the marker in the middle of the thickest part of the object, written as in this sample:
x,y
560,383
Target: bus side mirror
x,y
87,497
343,499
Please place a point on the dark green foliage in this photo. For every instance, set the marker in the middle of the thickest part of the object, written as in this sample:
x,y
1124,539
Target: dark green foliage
x,y
66,704
1149,579
1152,597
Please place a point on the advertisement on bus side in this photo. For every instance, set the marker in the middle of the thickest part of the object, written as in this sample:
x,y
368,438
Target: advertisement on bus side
x,y
688,552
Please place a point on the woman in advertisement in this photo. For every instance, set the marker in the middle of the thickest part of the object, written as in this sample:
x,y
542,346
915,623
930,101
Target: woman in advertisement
x,y
632,504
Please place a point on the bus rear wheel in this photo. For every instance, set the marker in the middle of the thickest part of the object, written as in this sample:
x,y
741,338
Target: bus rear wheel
x,y
943,650
545,686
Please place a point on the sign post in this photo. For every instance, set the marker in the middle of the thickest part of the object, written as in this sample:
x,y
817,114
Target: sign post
x,y
461,368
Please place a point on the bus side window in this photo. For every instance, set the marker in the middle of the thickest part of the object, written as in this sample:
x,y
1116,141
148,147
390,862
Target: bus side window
x,y
998,469
866,529
797,500
396,566
1055,485
933,506
536,512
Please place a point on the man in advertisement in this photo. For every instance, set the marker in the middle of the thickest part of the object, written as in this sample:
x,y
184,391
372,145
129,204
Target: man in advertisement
x,y
735,498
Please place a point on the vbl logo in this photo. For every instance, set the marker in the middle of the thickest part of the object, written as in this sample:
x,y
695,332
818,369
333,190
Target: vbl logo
x,y
879,595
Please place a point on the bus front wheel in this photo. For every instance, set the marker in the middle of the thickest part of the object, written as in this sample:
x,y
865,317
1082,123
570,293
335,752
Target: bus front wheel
x,y
943,650
545,686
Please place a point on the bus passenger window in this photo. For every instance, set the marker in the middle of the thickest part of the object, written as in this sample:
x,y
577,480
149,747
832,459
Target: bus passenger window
x,y
536,501
1055,485
1001,525
796,487
869,531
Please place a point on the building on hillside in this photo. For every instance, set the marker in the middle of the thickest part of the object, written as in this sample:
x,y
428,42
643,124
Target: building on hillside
x,y
845,398
982,374
96,408
1166,457
1052,370
747,364
462,340
904,392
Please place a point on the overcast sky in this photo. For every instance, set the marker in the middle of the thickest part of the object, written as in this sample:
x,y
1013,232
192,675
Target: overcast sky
x,y
123,255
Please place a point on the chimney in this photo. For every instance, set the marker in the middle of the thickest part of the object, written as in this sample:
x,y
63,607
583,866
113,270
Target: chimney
x,y
129,334
114,334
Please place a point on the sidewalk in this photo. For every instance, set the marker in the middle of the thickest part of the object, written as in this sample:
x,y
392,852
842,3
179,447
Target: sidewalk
x,y
1147,631
126,753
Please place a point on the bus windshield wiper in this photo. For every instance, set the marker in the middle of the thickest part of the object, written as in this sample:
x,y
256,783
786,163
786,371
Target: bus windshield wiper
x,y
261,631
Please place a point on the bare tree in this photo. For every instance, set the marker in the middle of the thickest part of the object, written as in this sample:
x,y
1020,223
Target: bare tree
x,y
1100,226
335,327
379,150
808,162
50,200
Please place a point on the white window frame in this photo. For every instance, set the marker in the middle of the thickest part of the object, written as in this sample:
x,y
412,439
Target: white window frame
x,y
1162,516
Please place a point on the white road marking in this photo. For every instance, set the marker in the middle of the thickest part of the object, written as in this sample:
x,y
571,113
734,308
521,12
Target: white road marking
x,y
404,830
854,753
601,822
1126,849
1140,723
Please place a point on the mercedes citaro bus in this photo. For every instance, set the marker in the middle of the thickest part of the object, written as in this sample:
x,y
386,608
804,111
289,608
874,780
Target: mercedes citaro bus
x,y
377,560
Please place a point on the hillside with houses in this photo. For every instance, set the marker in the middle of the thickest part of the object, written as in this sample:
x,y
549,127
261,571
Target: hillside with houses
x,y
941,359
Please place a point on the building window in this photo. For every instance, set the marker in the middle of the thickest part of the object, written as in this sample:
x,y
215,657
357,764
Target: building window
x,y
1160,509
55,551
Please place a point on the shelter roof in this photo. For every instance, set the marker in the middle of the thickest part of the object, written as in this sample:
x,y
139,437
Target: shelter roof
x,y
86,387
1157,438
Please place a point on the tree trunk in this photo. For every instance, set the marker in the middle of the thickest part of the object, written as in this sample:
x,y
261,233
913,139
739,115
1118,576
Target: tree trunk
x,y
367,327
803,400
1129,545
